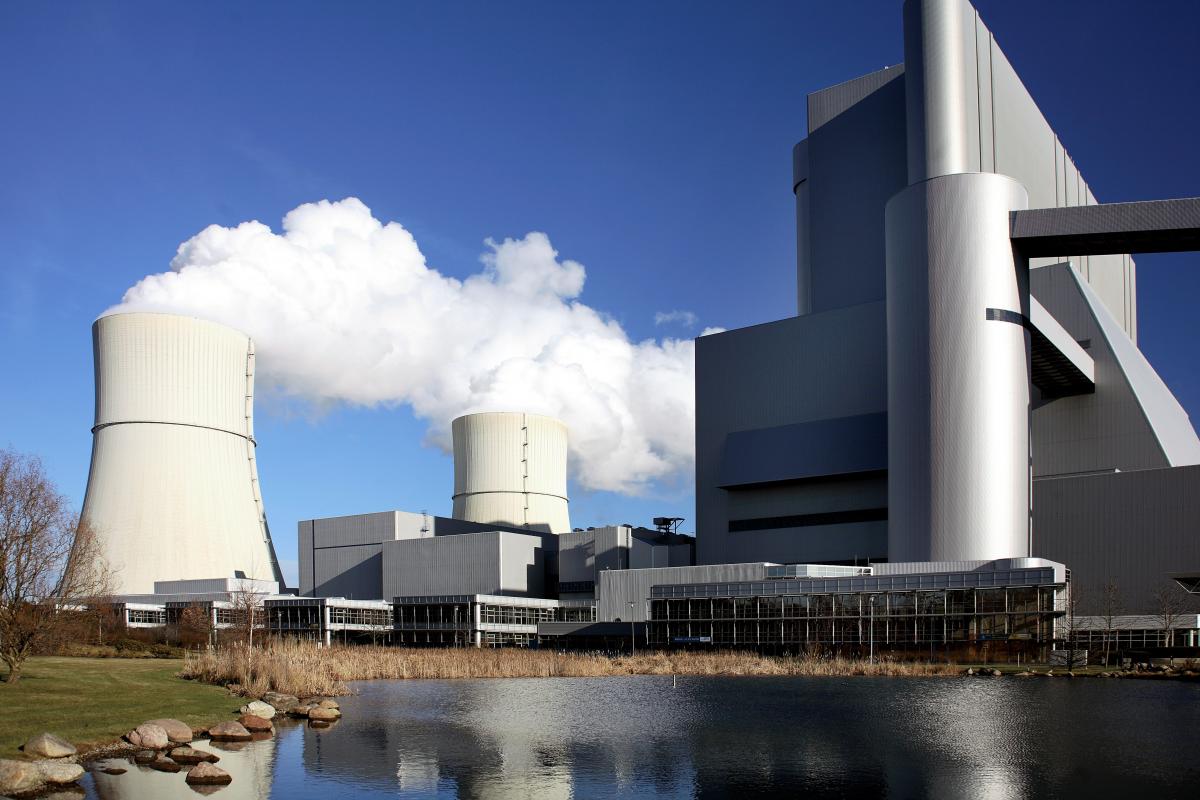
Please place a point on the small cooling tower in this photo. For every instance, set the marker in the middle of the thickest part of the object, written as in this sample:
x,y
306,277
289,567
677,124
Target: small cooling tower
x,y
511,469
173,490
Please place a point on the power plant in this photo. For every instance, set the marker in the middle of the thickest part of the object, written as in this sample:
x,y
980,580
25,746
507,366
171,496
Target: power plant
x,y
954,441
510,469
173,490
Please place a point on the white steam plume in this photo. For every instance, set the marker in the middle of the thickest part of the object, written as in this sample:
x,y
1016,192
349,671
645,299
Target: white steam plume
x,y
343,308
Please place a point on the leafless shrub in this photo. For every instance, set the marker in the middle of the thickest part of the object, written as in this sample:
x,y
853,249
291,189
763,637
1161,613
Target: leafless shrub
x,y
51,566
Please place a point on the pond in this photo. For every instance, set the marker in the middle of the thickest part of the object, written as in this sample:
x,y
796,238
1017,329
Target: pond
x,y
639,737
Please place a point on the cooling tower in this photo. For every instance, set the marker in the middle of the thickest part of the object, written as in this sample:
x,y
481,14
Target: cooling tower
x,y
173,490
511,469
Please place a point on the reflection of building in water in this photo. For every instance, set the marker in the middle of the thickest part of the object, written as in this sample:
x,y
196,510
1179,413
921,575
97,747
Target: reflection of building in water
x,y
250,764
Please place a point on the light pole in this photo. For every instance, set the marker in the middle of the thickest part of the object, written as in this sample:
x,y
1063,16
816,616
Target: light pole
x,y
872,633
632,635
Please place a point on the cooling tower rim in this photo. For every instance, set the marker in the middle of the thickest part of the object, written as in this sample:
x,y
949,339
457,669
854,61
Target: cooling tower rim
x,y
169,315
501,413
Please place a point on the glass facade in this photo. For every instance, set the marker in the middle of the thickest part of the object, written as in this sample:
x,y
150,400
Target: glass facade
x,y
146,616
932,622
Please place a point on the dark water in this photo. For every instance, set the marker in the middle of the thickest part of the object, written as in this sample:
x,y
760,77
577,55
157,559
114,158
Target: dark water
x,y
636,737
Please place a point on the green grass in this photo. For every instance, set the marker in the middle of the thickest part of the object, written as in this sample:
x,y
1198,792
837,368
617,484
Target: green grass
x,y
93,701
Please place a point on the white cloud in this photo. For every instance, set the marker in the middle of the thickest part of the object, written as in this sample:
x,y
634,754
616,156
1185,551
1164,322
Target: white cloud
x,y
344,308
685,318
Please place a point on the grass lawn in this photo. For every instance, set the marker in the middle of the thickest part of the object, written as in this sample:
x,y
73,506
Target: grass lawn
x,y
92,701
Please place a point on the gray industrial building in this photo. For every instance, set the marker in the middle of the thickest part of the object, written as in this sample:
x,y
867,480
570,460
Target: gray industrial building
x,y
955,435
962,379
344,556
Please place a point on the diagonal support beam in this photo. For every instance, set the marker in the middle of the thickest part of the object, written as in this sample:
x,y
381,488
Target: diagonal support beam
x,y
1153,226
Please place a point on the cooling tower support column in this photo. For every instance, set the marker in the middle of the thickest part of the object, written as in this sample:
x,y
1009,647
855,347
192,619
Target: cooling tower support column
x,y
958,372
173,490
510,469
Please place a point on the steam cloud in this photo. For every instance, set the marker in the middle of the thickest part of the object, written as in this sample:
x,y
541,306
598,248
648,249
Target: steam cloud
x,y
344,308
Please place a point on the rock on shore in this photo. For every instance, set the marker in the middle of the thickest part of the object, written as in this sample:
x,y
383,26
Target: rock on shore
x,y
206,774
258,708
149,736
190,755
255,724
177,732
47,745
17,777
60,772
229,732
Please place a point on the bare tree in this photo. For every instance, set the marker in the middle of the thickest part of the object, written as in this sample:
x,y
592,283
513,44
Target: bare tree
x,y
1110,610
50,563
1069,625
1170,604
250,615
195,625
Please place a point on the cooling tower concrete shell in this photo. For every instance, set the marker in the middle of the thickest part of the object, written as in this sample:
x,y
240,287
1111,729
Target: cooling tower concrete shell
x,y
173,491
510,468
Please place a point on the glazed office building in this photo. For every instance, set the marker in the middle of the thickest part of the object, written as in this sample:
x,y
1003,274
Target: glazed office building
x,y
962,380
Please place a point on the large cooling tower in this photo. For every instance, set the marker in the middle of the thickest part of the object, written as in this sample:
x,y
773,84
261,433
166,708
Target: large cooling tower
x,y
511,469
173,490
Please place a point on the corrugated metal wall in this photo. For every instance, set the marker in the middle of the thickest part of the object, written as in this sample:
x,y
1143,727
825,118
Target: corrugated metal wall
x,y
617,589
481,563
1128,527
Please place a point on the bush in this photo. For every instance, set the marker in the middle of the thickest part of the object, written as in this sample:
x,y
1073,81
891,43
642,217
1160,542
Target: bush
x,y
130,647
166,651
75,650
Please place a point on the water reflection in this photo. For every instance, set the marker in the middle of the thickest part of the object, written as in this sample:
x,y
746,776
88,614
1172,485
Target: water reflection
x,y
724,737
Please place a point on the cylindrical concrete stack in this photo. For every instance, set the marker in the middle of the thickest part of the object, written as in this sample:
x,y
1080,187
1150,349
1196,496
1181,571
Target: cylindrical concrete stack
x,y
173,491
510,469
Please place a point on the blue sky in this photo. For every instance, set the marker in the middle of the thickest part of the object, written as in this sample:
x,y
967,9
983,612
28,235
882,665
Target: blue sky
x,y
651,142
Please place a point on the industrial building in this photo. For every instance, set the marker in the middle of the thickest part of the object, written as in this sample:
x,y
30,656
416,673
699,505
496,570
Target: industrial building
x,y
954,445
173,489
962,379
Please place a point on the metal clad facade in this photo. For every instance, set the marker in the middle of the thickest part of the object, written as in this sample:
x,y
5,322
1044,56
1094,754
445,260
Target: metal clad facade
x,y
618,589
1128,527
820,366
958,382
498,563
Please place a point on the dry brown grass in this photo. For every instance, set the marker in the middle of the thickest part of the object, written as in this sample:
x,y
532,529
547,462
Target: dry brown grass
x,y
304,669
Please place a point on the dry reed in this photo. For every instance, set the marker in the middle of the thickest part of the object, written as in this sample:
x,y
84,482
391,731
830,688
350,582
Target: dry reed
x,y
305,669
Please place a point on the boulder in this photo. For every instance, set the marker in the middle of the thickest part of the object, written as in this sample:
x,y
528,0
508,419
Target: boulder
x,y
164,764
229,732
64,793
177,732
207,775
259,709
60,772
255,724
318,723
298,710
145,756
970,671
319,714
280,702
113,770
328,704
17,777
149,736
190,755
47,745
